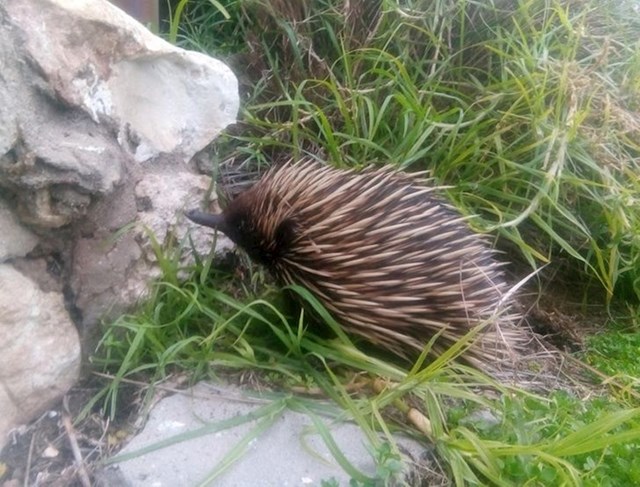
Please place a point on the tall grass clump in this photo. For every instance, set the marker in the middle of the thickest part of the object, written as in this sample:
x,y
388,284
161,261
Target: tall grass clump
x,y
480,432
528,109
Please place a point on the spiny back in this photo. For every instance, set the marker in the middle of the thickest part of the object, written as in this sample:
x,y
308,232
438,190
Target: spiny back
x,y
391,261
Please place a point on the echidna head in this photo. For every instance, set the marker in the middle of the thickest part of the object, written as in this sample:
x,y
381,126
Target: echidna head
x,y
265,241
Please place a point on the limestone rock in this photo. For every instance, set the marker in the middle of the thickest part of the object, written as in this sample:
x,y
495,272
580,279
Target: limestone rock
x,y
15,239
40,357
155,197
97,119
112,274
85,92
158,97
104,278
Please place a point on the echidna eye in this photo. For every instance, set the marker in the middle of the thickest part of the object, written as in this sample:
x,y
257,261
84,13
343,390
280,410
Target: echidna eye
x,y
244,226
285,234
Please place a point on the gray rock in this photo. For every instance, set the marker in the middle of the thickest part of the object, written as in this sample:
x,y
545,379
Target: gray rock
x,y
104,275
84,89
97,119
40,357
15,239
120,74
156,195
108,274
288,453
87,94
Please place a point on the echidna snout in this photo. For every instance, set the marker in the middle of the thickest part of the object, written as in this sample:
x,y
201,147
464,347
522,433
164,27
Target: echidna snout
x,y
380,249
206,219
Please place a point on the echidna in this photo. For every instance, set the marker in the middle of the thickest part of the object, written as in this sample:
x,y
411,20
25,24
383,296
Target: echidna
x,y
384,254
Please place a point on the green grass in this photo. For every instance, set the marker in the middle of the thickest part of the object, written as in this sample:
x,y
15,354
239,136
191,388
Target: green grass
x,y
562,415
615,353
528,110
519,437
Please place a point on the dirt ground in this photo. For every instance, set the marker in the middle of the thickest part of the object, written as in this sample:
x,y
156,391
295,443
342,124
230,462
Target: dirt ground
x,y
42,453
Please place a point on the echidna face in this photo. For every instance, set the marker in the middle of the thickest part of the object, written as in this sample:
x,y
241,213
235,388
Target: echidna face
x,y
265,242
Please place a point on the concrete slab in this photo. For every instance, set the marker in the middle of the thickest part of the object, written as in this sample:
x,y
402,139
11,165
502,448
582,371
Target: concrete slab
x,y
288,452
